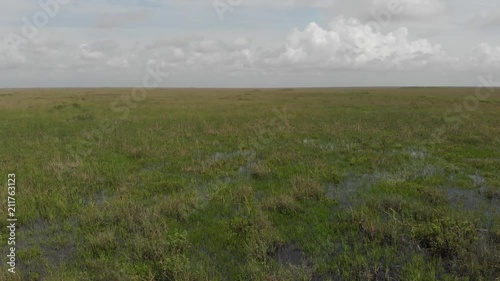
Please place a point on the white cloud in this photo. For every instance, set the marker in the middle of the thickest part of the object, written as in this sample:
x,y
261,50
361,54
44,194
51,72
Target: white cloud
x,y
485,57
66,47
10,57
98,50
349,44
346,44
105,55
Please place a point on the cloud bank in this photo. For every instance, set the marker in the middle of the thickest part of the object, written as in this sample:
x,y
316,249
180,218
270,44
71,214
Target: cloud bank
x,y
370,36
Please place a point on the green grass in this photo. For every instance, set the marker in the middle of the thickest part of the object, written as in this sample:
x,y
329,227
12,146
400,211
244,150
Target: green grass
x,y
244,184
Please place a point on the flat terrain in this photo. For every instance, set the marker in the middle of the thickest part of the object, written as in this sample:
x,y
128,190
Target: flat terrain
x,y
252,184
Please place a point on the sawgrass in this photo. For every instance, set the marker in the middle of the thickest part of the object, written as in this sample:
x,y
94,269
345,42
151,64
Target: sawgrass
x,y
252,184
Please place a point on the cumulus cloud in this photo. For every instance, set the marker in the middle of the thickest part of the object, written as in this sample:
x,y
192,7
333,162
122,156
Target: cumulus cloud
x,y
54,55
185,52
344,45
106,52
10,57
350,44
486,56
198,52
38,54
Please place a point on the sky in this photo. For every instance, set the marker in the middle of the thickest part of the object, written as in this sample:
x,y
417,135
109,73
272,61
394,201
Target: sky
x,y
248,43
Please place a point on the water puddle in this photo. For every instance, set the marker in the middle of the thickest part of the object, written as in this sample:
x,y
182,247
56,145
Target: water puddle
x,y
464,198
289,255
477,180
345,192
416,153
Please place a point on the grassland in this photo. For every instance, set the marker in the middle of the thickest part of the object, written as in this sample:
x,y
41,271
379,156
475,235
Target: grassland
x,y
252,184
